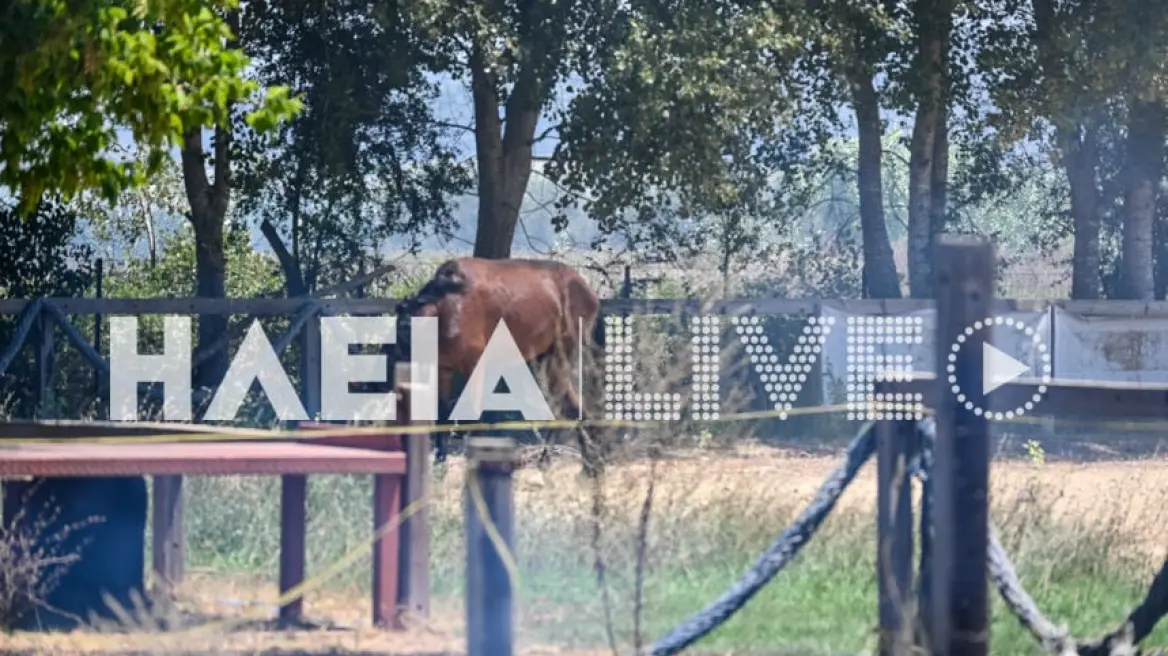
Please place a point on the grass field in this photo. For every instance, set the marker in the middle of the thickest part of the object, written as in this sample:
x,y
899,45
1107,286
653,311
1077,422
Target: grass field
x,y
1086,539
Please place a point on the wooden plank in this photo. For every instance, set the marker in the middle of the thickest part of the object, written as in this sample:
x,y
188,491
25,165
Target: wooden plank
x,y
168,545
1116,308
386,509
414,577
293,527
1061,398
83,428
964,284
46,332
196,306
202,458
488,592
415,570
385,306
894,550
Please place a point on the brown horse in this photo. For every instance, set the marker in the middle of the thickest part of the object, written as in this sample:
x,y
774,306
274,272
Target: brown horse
x,y
548,307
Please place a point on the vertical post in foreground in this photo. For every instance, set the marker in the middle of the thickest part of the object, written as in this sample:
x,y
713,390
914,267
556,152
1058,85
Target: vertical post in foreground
x,y
894,544
169,543
414,574
293,526
386,507
964,279
488,590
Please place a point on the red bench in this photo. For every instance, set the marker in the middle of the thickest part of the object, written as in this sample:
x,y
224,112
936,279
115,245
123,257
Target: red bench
x,y
379,455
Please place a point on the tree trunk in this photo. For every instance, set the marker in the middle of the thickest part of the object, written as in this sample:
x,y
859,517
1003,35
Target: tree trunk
x,y
939,178
208,203
1078,144
1080,160
933,26
504,152
880,276
211,282
1145,154
294,283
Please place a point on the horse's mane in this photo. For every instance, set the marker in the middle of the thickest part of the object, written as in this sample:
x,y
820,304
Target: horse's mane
x,y
447,280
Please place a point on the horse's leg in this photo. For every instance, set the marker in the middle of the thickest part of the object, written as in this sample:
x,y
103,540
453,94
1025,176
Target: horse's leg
x,y
540,365
445,405
564,373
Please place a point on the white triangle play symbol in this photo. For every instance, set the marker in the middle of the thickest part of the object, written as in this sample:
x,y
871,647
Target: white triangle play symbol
x,y
998,368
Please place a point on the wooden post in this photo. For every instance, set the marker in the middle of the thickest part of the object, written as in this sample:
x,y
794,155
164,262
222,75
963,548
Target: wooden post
x,y
310,367
894,549
414,573
964,274
293,526
386,554
97,319
488,590
168,544
294,487
925,567
46,331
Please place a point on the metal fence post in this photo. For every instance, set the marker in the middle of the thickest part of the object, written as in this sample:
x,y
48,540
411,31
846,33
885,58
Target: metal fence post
x,y
488,591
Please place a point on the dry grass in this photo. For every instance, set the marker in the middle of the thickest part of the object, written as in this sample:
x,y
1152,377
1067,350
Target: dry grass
x,y
715,510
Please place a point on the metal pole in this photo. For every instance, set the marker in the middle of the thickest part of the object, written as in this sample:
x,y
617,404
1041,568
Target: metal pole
x,y
488,590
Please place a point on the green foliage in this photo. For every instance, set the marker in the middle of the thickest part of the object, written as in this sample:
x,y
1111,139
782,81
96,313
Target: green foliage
x,y
71,72
136,224
249,274
683,115
42,259
365,162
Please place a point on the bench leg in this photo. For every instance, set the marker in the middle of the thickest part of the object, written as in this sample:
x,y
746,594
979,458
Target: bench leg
x,y
293,525
386,509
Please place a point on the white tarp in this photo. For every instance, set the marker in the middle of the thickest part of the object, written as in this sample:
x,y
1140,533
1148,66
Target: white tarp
x,y
918,354
1123,349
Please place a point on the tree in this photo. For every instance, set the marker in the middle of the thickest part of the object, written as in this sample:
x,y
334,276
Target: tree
x,y
687,111
1077,76
141,219
929,85
42,258
1140,53
365,162
513,56
856,46
72,73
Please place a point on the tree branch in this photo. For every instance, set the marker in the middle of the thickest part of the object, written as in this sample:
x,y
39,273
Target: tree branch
x,y
293,279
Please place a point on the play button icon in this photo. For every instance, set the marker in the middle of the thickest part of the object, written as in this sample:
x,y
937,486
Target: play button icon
x,y
998,368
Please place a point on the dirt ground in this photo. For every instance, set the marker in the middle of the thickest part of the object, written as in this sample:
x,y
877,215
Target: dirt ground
x,y
1133,490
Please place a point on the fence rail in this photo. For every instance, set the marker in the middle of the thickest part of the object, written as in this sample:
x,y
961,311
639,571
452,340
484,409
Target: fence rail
x,y
290,306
